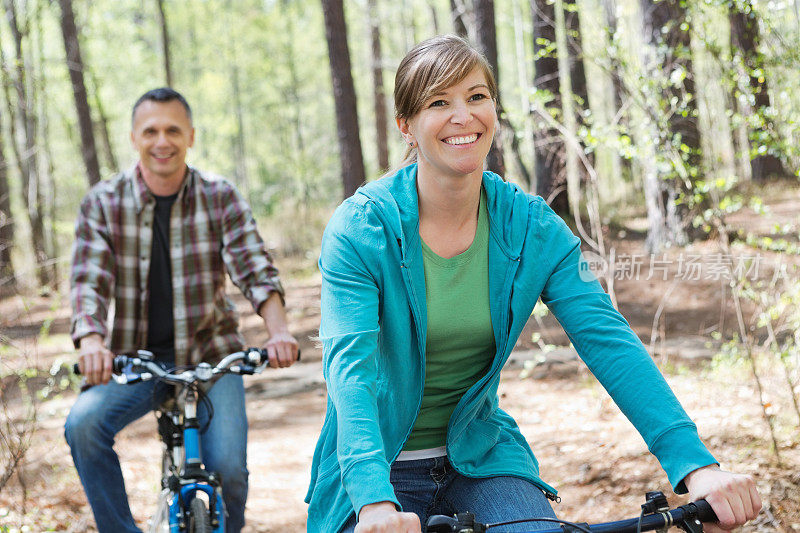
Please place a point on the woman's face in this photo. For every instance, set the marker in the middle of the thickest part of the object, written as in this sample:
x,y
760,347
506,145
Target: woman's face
x,y
454,129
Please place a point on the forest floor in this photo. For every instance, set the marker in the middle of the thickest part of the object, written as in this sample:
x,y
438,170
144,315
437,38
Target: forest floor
x,y
585,446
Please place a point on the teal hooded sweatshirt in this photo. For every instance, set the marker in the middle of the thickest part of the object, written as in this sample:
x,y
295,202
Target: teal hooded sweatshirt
x,y
373,336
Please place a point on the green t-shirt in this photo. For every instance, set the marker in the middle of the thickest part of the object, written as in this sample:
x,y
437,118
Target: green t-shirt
x,y
460,341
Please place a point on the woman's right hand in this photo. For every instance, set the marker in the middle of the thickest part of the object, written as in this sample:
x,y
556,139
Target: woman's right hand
x,y
383,517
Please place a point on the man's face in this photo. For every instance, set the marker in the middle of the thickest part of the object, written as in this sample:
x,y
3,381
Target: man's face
x,y
162,133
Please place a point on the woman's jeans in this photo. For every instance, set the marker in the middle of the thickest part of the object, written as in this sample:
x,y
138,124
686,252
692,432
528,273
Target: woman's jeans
x,y
103,410
432,486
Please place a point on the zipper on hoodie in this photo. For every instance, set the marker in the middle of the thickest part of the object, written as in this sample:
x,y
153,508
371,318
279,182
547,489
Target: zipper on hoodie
x,y
553,497
420,347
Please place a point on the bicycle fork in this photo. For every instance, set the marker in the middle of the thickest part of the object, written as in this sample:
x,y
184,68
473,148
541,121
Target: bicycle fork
x,y
193,477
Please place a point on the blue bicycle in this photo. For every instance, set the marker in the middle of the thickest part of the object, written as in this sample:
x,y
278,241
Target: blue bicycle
x,y
190,500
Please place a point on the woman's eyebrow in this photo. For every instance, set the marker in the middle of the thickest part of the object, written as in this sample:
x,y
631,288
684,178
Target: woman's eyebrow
x,y
476,86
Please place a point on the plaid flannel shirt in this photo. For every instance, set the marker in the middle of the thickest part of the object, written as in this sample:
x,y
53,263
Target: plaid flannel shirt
x,y
212,230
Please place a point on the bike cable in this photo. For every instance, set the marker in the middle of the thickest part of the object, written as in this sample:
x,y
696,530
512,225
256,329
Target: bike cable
x,y
554,520
202,397
639,523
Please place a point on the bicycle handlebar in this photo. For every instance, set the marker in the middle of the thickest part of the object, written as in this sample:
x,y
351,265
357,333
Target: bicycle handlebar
x,y
254,359
687,516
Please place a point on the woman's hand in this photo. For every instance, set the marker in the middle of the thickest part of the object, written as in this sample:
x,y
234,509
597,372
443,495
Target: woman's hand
x,y
733,497
383,517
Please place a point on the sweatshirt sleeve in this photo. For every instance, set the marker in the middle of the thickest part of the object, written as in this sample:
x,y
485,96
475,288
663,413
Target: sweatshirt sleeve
x,y
615,355
349,333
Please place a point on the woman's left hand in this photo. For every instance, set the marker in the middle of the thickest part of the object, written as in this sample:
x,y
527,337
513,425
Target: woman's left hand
x,y
733,497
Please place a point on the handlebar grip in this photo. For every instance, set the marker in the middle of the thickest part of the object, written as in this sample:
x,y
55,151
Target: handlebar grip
x,y
703,511
120,361
265,355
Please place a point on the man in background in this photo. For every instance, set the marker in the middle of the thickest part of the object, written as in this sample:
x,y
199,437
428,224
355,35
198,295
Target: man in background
x,y
158,240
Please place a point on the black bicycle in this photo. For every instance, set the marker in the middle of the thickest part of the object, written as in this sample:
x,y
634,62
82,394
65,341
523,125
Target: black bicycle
x,y
656,516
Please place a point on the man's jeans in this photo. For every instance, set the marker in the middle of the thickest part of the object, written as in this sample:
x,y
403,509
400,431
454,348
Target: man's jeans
x,y
103,410
432,486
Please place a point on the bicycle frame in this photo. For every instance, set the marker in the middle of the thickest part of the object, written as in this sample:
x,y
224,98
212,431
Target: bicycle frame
x,y
183,474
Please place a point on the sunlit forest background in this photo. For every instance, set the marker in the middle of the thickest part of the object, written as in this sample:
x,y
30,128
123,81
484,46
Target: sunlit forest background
x,y
676,122
605,103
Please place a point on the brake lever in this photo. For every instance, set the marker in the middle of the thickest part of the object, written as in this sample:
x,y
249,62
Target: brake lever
x,y
127,379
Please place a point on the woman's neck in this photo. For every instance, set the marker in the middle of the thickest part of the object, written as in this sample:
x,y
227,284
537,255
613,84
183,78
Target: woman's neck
x,y
448,211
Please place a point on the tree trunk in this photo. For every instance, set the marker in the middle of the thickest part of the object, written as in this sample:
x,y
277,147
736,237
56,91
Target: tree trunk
x,y
7,278
642,64
27,156
75,67
671,15
344,94
379,96
102,124
162,21
565,70
457,13
663,23
238,141
745,39
47,180
487,42
549,147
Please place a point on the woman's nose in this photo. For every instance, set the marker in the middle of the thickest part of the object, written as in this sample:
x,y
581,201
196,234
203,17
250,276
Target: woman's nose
x,y
461,113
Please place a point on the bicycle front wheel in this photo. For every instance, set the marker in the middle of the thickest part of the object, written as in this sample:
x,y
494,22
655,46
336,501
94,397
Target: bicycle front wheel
x,y
199,520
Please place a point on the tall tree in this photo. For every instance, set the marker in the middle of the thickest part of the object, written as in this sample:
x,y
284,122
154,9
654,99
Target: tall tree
x,y
344,93
101,124
379,96
47,178
239,144
745,42
162,21
458,14
548,144
7,278
75,66
664,24
27,156
487,41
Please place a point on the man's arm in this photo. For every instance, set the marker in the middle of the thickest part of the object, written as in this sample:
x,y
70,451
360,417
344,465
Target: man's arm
x,y
91,278
281,346
250,267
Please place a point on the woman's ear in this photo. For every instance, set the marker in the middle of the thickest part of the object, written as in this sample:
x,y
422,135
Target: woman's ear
x,y
405,130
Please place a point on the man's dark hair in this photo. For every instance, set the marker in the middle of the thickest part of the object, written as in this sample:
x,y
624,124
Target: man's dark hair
x,y
162,95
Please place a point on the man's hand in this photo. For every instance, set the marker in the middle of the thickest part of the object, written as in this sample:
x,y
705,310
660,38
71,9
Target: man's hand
x,y
95,360
383,517
281,347
733,497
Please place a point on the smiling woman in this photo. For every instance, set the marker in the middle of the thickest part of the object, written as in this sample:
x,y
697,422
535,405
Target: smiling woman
x,y
428,277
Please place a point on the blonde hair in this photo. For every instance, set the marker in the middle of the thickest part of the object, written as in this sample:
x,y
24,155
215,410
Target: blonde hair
x,y
430,67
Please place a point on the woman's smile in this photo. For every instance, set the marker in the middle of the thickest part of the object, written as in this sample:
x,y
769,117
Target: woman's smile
x,y
462,140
